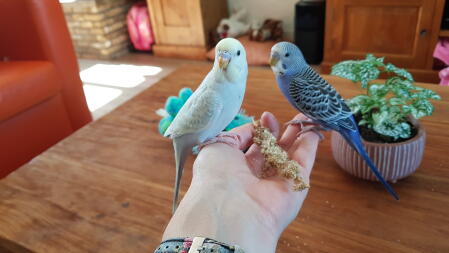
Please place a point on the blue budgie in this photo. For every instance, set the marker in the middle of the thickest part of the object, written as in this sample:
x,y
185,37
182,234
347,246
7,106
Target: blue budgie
x,y
211,107
317,99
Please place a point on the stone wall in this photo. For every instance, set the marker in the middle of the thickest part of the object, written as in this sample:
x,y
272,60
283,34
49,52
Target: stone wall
x,y
98,27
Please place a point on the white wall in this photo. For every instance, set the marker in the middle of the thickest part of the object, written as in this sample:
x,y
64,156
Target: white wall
x,y
262,9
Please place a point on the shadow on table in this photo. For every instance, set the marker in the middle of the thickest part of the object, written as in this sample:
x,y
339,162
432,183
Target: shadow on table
x,y
7,246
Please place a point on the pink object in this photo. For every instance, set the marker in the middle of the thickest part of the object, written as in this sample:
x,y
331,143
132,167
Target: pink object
x,y
139,27
394,160
444,76
442,52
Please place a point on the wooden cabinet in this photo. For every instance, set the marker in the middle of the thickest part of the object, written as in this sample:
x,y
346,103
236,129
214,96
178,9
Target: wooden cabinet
x,y
404,31
181,27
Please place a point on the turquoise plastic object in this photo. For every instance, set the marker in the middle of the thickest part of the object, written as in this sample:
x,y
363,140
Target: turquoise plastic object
x,y
185,93
173,105
164,123
240,119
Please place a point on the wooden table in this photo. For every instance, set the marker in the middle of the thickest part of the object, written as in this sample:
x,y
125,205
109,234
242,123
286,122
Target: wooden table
x,y
108,187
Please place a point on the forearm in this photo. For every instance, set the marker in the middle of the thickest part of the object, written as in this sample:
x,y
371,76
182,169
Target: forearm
x,y
223,215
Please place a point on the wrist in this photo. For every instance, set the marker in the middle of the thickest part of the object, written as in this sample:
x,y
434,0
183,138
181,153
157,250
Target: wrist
x,y
226,215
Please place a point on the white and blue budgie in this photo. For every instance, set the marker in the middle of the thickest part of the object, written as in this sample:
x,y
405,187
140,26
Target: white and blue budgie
x,y
317,99
211,107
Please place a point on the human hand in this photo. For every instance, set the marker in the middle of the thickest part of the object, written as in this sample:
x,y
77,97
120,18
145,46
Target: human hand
x,y
226,201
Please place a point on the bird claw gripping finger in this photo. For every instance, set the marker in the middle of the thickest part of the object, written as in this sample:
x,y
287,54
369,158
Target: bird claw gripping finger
x,y
315,129
234,136
312,127
299,122
232,139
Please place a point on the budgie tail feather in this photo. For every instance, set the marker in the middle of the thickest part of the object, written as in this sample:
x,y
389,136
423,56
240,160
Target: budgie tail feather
x,y
353,138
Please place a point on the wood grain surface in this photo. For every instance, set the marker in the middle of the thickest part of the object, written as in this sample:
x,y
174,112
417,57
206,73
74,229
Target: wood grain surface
x,y
405,32
108,187
181,28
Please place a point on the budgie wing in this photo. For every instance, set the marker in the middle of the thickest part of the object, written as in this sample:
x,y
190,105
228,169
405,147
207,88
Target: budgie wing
x,y
199,112
318,100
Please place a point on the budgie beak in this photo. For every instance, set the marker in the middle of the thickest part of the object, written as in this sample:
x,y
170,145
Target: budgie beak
x,y
223,60
274,60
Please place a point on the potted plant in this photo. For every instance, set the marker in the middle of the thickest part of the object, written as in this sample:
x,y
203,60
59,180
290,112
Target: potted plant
x,y
387,116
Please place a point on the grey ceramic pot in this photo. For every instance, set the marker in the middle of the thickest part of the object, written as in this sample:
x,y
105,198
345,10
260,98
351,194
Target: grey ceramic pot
x,y
395,160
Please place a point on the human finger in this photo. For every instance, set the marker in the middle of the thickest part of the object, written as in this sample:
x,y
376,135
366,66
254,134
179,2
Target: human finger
x,y
290,134
246,133
304,150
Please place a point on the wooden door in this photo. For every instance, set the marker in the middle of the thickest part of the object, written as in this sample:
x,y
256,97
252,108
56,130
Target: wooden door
x,y
177,22
400,30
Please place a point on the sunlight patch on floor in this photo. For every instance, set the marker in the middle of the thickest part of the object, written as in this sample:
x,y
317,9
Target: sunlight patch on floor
x,y
118,75
98,96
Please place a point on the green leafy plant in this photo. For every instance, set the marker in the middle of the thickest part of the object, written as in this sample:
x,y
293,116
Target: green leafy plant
x,y
386,106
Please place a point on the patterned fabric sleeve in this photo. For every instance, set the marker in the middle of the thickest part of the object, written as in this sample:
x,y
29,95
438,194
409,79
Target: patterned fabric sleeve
x,y
182,245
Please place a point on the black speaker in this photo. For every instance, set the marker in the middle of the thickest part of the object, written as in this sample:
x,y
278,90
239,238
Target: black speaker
x,y
309,29
445,21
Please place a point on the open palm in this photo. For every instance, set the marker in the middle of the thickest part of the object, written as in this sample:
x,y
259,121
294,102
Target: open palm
x,y
229,201
274,194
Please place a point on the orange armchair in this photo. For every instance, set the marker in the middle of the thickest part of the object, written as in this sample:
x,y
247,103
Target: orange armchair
x,y
41,95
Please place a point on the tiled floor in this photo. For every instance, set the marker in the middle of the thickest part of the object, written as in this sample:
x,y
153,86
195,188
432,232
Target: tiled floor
x,y
108,84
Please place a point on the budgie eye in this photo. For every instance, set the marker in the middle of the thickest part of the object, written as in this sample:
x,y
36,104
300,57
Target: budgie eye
x,y
238,53
287,55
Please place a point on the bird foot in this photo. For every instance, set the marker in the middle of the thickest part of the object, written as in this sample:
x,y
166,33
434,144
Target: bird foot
x,y
315,128
312,126
300,122
232,139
